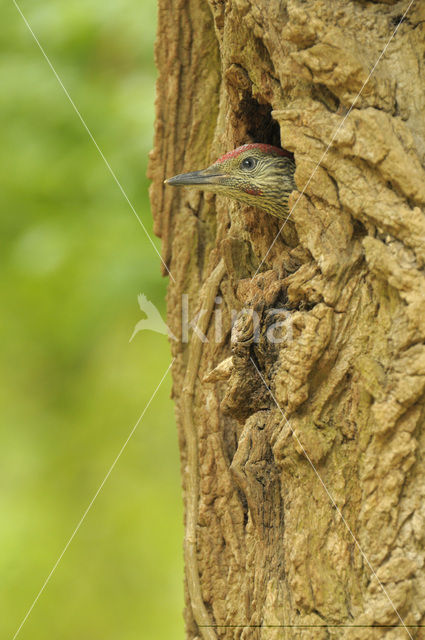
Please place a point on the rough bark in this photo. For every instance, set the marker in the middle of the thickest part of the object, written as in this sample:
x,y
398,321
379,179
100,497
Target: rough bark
x,y
280,482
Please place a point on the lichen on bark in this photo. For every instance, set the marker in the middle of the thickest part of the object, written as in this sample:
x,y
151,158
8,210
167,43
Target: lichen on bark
x,y
265,544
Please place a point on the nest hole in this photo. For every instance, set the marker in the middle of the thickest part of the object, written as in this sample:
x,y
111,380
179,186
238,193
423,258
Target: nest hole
x,y
258,123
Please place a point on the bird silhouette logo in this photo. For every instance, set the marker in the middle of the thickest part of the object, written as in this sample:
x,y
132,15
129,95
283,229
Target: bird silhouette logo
x,y
153,320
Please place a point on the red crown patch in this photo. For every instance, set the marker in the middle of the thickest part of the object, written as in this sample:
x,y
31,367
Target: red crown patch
x,y
257,145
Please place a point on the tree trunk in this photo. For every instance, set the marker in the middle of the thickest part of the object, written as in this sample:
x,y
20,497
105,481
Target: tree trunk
x,y
302,454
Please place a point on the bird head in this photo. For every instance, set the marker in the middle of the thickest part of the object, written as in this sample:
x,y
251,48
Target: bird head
x,y
260,175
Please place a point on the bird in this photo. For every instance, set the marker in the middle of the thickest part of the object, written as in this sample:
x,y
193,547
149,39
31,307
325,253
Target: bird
x,y
257,174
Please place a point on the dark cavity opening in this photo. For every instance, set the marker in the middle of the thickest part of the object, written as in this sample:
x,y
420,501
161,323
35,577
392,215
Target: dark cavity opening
x,y
258,122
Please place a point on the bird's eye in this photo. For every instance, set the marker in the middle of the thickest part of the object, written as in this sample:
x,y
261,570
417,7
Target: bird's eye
x,y
248,163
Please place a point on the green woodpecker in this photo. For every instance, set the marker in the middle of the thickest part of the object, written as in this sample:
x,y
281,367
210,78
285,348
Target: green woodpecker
x,y
257,174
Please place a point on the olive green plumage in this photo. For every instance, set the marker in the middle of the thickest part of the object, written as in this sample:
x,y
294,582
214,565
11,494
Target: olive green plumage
x,y
257,174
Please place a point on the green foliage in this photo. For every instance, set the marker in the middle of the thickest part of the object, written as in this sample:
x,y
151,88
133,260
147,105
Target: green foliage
x,y
74,257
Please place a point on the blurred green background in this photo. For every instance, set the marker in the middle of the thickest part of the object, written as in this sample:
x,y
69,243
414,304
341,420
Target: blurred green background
x,y
73,259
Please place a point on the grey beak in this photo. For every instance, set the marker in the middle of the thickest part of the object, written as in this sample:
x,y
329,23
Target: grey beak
x,y
196,178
